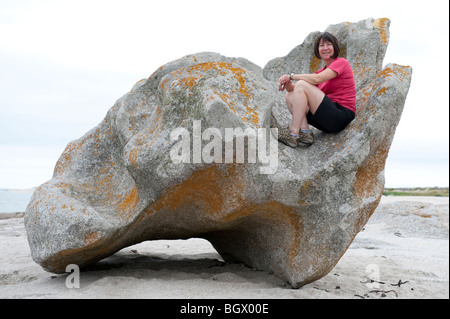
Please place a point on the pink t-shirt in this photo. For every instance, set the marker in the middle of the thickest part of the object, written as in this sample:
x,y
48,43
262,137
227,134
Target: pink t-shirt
x,y
340,89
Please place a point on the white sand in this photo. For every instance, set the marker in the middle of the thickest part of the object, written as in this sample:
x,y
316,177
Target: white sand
x,y
406,241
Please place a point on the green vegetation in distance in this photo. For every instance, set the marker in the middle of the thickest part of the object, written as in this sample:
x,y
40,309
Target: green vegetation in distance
x,y
418,191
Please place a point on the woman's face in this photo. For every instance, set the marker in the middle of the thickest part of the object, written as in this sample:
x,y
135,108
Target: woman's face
x,y
326,50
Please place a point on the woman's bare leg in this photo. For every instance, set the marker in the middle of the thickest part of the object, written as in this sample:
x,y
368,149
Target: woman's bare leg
x,y
305,97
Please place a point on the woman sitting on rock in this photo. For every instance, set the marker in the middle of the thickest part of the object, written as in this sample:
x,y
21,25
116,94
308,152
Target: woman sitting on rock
x,y
325,99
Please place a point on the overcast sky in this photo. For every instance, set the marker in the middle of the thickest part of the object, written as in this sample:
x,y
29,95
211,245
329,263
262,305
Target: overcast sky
x,y
64,63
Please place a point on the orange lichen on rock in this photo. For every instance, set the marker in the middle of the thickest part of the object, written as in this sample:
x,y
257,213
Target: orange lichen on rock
x,y
249,115
64,161
367,173
203,187
222,68
381,25
129,203
315,64
90,238
381,91
133,157
210,190
189,77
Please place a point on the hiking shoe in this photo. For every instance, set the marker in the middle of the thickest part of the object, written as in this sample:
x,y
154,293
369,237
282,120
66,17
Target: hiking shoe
x,y
284,135
306,138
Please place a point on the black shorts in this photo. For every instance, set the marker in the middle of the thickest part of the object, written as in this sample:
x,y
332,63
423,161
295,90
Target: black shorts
x,y
330,117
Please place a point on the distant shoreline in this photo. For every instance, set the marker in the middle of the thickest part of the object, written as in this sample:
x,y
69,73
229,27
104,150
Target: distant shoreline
x,y
417,191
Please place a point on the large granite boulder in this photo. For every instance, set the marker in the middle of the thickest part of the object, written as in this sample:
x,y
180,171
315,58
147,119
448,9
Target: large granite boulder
x,y
169,161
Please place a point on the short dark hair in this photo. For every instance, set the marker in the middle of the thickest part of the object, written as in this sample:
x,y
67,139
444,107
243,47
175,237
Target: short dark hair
x,y
326,36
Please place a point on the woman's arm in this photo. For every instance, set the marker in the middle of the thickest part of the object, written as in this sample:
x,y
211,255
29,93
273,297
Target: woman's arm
x,y
316,79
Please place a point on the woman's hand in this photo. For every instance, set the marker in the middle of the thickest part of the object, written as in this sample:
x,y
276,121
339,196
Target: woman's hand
x,y
284,79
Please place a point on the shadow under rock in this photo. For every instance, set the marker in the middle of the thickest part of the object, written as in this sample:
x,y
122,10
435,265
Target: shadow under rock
x,y
169,267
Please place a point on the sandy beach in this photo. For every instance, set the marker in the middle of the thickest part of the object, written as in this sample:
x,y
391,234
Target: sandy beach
x,y
402,253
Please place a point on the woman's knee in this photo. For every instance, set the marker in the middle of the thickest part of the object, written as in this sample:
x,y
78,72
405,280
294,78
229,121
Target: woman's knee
x,y
300,85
